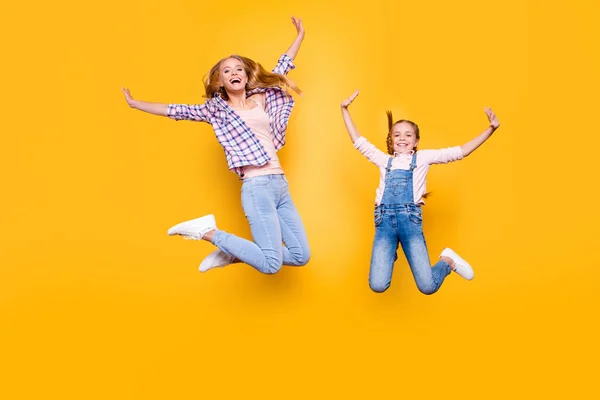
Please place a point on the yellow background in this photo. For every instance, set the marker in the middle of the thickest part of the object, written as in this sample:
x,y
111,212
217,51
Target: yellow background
x,y
97,302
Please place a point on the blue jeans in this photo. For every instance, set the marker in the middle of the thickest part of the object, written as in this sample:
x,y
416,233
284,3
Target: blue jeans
x,y
402,223
273,219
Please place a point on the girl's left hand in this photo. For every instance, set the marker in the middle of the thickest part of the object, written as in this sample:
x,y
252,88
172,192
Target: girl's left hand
x,y
494,123
350,99
298,24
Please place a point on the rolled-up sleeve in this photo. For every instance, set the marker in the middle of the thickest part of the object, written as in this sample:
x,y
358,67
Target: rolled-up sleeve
x,y
284,65
194,112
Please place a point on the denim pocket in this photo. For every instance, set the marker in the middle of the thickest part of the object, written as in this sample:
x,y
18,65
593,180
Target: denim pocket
x,y
378,216
416,216
262,180
397,186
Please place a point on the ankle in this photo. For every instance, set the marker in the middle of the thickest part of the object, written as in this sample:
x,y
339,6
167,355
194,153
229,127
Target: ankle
x,y
208,236
449,261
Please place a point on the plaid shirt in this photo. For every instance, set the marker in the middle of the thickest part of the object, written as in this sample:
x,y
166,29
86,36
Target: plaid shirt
x,y
241,145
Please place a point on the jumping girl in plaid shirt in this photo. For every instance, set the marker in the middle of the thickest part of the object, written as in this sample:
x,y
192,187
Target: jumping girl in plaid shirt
x,y
248,108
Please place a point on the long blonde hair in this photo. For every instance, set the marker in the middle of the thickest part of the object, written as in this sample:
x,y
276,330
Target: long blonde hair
x,y
258,77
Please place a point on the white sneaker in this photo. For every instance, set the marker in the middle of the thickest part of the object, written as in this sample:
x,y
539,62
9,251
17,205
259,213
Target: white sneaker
x,y
216,259
461,267
195,228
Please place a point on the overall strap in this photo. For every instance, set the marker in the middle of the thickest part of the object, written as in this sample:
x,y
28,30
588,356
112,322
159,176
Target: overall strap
x,y
413,163
389,166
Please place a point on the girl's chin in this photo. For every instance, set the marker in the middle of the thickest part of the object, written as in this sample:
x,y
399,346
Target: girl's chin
x,y
235,90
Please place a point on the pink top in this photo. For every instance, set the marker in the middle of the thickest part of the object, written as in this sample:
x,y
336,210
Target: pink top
x,y
402,161
258,122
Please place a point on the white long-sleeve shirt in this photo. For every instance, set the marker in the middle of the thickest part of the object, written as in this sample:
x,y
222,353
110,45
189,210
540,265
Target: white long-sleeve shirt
x,y
425,158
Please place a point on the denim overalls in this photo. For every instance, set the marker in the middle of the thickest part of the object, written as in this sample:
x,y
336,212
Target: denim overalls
x,y
399,220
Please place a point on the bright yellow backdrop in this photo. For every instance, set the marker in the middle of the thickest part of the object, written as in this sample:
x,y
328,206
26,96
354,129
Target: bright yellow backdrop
x,y
97,302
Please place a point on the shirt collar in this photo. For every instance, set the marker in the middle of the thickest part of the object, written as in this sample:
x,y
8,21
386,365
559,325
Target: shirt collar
x,y
410,153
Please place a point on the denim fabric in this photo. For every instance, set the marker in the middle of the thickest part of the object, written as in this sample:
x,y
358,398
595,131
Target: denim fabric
x,y
398,220
273,219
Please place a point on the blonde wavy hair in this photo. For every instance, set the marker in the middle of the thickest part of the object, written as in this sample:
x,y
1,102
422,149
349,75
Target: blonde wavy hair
x,y
258,77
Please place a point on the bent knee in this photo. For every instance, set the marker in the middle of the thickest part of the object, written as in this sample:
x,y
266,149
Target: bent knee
x,y
379,287
427,289
304,258
271,266
271,269
301,258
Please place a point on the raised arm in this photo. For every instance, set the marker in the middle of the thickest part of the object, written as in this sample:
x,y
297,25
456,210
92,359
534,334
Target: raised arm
x,y
293,50
350,127
473,144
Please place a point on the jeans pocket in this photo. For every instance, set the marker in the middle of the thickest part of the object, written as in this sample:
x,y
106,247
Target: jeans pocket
x,y
262,180
416,217
378,216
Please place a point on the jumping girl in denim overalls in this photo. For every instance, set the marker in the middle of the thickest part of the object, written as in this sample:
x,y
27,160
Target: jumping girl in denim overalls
x,y
398,218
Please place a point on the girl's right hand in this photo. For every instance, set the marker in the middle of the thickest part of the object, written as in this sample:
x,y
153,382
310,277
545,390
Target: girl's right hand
x,y
128,97
350,99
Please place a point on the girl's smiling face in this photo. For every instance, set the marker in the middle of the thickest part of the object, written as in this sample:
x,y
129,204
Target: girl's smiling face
x,y
404,138
232,75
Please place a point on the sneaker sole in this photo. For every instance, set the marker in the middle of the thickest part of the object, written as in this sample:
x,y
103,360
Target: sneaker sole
x,y
210,218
